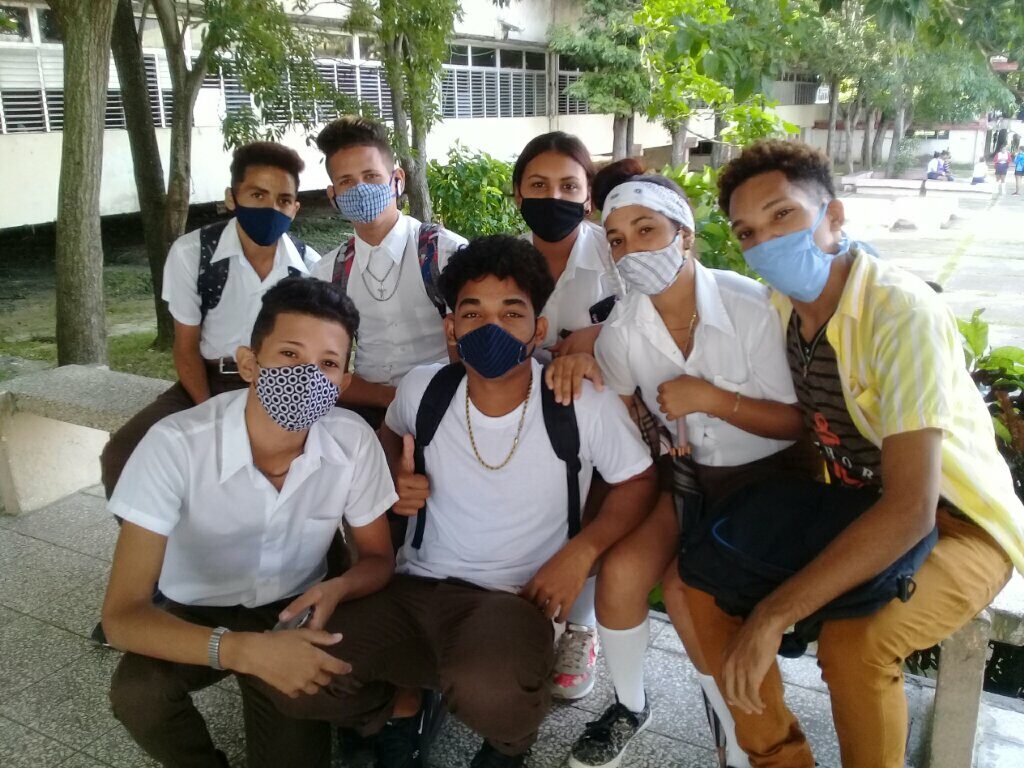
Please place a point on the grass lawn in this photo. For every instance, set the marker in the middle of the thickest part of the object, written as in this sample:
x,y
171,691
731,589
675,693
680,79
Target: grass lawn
x,y
28,299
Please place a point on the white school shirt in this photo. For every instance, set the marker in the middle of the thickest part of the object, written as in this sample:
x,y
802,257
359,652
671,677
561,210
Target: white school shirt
x,y
737,346
934,165
405,330
980,170
227,326
588,278
232,538
495,528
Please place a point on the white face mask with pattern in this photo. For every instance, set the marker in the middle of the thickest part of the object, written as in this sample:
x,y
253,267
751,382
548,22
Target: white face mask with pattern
x,y
296,396
652,272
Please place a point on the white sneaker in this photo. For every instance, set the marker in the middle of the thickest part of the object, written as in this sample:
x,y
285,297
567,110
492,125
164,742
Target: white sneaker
x,y
575,661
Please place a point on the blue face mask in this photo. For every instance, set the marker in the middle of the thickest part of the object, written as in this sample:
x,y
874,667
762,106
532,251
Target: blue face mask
x,y
264,226
491,351
365,202
793,264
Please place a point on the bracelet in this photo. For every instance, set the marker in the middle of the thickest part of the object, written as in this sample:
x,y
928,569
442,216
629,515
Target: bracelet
x,y
736,406
213,648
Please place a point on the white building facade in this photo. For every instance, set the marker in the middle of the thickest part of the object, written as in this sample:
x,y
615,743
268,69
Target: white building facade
x,y
500,87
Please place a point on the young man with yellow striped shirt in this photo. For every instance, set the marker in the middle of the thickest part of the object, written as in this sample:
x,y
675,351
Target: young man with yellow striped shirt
x,y
906,439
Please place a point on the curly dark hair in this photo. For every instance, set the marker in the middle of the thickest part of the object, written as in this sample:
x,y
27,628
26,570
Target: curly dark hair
x,y
354,131
801,164
265,153
628,169
501,256
305,296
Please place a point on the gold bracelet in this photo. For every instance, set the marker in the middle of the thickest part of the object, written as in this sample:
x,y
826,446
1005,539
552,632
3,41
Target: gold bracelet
x,y
736,406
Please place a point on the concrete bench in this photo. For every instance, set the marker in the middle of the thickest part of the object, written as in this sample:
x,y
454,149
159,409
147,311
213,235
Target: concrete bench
x,y
53,425
935,188
961,676
864,184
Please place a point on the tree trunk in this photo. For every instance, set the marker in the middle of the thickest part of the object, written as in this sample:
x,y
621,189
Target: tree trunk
x,y
849,123
717,148
898,129
619,123
416,176
833,114
679,153
81,317
630,135
146,163
414,166
879,140
865,149
179,177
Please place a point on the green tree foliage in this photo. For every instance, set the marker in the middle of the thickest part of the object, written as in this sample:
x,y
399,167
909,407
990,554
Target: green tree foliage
x,y
605,44
471,193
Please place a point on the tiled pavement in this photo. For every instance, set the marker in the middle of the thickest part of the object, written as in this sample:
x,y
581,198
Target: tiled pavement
x,y
53,682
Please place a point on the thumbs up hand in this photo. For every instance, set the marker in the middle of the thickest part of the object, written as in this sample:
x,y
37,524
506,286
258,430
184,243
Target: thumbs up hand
x,y
413,490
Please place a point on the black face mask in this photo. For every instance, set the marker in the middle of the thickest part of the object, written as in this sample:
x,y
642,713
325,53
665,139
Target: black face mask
x,y
551,219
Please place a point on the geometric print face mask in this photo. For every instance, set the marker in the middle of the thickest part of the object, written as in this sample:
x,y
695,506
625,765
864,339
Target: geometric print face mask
x,y
296,396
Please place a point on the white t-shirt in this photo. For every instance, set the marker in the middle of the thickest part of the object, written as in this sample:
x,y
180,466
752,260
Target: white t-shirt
x,y
495,528
227,326
588,278
399,327
737,346
232,538
934,165
980,170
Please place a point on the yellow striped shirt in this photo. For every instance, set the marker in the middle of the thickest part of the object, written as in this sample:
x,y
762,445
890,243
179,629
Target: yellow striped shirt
x,y
902,369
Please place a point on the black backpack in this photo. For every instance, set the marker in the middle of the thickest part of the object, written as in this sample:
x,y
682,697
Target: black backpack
x,y
740,551
214,276
559,421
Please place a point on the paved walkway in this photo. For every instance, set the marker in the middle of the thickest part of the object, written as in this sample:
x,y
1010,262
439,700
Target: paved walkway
x,y
53,682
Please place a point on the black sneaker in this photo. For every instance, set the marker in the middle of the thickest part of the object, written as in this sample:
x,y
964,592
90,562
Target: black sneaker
x,y
397,745
604,740
98,636
488,757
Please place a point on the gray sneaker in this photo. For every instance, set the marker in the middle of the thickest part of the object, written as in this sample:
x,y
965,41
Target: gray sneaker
x,y
604,740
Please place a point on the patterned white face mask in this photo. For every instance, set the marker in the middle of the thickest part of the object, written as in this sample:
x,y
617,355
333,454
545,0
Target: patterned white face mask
x,y
296,396
651,272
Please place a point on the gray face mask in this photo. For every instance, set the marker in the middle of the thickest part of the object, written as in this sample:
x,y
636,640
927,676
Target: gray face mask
x,y
652,272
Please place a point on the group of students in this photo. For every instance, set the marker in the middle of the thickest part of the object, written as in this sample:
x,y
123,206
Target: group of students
x,y
516,414
939,166
1003,158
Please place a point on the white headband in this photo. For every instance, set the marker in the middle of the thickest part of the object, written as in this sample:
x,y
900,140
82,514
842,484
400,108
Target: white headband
x,y
652,196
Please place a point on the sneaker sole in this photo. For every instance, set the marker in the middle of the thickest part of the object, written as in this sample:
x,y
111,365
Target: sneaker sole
x,y
615,761
559,693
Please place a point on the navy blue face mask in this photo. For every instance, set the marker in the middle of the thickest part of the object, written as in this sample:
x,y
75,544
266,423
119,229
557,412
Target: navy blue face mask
x,y
491,351
264,226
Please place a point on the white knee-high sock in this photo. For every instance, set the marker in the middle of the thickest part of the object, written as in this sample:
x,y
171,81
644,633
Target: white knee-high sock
x,y
624,651
735,757
582,611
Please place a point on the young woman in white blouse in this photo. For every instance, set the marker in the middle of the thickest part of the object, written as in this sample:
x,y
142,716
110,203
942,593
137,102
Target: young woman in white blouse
x,y
551,180
696,345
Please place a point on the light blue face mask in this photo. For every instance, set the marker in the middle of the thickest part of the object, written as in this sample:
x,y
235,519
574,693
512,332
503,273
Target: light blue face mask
x,y
365,202
794,264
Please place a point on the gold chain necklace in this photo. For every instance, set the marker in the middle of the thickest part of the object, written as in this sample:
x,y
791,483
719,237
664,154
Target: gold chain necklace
x,y
519,430
685,348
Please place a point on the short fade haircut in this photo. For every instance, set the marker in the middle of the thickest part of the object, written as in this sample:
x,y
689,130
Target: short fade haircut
x,y
504,257
265,153
800,163
354,131
305,296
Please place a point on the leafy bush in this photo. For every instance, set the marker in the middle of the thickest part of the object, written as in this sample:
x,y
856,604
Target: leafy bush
x,y
908,155
716,245
471,193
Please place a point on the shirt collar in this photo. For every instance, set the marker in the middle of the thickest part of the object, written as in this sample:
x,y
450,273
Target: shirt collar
x,y
587,251
710,307
851,301
393,244
231,245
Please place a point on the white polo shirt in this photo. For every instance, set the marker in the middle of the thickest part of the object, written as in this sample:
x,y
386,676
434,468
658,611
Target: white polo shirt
x,y
399,328
737,346
495,528
232,538
588,278
227,326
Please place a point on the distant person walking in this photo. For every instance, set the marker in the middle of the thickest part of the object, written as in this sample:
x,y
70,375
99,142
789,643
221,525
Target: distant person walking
x,y
1002,162
1018,169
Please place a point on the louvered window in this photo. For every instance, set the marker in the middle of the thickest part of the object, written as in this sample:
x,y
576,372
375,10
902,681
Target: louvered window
x,y
481,81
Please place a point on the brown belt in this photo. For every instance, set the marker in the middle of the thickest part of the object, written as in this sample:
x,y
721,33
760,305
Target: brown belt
x,y
223,366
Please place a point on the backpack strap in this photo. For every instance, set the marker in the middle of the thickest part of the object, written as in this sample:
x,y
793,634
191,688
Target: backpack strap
x,y
343,264
213,276
426,250
433,406
299,246
564,434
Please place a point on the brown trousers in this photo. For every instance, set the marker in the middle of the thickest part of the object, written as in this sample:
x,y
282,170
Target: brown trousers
x,y
489,652
861,659
173,400
151,698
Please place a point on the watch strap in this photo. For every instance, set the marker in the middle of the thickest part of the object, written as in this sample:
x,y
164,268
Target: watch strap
x,y
213,647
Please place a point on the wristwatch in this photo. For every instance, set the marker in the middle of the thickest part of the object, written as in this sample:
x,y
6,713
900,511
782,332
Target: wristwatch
x,y
213,647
